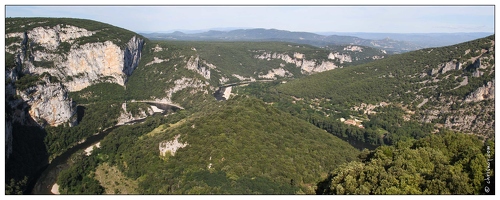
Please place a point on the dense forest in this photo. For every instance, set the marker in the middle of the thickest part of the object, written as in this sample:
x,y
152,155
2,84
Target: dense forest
x,y
242,147
445,163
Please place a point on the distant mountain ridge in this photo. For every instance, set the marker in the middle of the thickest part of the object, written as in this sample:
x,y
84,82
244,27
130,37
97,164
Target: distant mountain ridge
x,y
422,39
260,34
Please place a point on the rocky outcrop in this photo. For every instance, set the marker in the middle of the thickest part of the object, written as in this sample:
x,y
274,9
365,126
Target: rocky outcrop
x,y
156,60
92,61
49,104
126,116
76,66
227,92
482,93
95,62
452,65
271,74
157,48
307,66
477,73
475,118
324,66
132,55
353,48
184,83
445,67
82,65
341,57
50,38
171,146
197,66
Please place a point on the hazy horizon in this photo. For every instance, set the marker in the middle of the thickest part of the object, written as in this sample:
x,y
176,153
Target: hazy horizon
x,y
315,19
225,29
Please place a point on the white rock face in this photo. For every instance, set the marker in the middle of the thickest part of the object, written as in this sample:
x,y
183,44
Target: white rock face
x,y
307,66
482,93
298,55
70,33
48,103
92,61
80,67
51,37
271,74
88,150
341,57
171,146
223,80
47,38
55,189
353,48
325,66
227,92
157,48
156,109
156,60
452,65
194,64
86,64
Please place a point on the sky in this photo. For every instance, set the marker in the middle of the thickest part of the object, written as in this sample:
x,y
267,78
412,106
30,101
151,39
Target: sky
x,y
324,18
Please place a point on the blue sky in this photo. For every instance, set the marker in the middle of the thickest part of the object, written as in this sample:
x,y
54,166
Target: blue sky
x,y
387,19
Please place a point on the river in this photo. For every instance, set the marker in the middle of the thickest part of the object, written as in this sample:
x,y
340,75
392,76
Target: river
x,y
48,177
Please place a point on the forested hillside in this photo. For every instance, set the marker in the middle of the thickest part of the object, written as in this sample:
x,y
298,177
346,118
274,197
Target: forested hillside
x,y
241,146
404,96
177,70
445,163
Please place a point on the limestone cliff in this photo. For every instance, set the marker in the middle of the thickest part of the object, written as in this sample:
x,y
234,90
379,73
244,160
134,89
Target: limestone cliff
x,y
341,57
307,66
49,104
482,93
201,68
58,51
